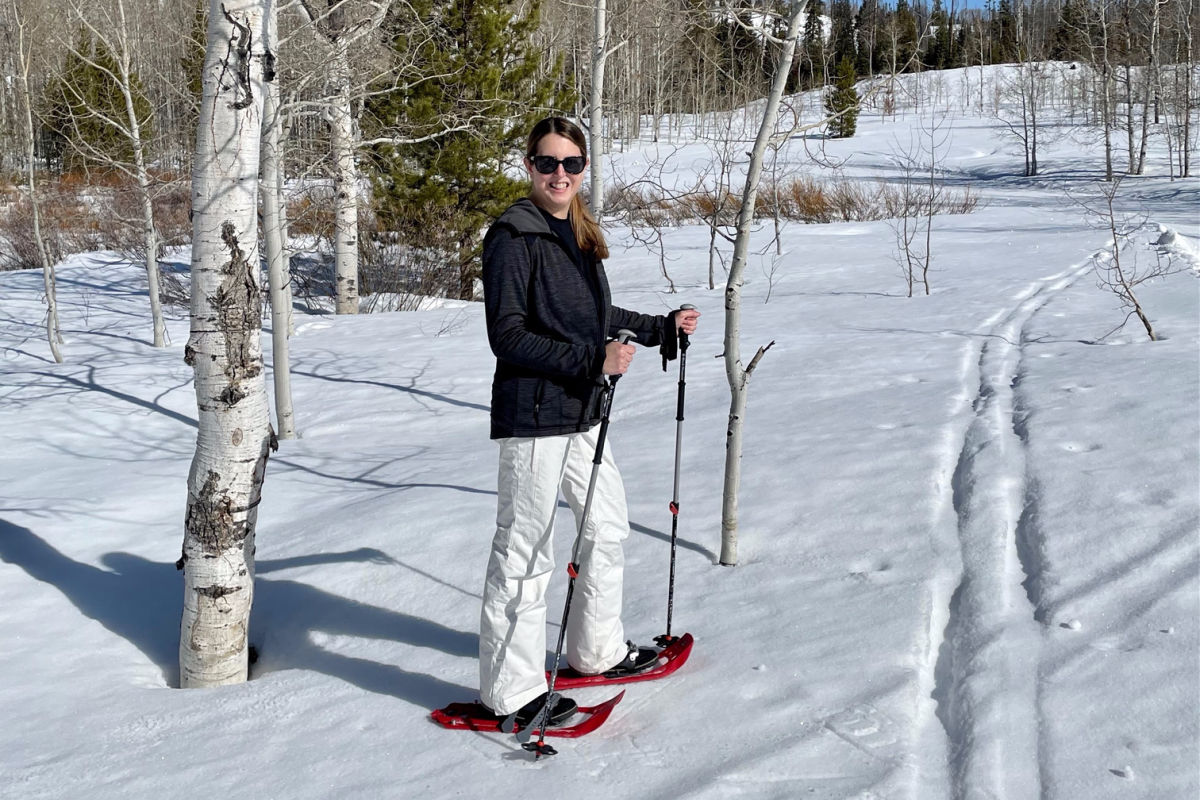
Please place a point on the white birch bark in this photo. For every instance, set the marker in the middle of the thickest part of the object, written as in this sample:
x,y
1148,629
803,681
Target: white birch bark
x,y
343,34
278,269
596,122
737,374
145,187
345,181
25,57
225,350
111,26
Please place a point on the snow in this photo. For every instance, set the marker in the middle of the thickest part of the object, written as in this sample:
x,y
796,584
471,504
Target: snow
x,y
969,524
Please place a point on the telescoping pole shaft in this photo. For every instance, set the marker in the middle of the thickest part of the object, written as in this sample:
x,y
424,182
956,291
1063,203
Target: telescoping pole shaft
x,y
541,748
666,639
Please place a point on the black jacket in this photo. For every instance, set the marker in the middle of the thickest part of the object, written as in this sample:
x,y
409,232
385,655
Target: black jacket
x,y
548,321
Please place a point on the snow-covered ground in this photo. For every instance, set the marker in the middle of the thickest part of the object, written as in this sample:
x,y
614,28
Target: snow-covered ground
x,y
969,526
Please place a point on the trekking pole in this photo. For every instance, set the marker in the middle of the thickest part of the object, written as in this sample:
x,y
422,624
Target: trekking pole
x,y
667,638
540,748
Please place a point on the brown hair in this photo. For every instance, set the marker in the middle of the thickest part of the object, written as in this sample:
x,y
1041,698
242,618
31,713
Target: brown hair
x,y
587,231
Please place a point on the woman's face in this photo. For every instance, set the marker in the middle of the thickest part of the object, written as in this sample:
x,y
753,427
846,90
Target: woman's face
x,y
555,191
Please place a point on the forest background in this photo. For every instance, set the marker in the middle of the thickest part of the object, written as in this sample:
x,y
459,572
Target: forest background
x,y
400,124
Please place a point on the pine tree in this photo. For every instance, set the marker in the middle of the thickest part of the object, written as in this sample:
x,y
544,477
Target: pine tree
x,y
1068,40
937,54
841,99
191,64
1004,33
904,24
742,57
85,106
867,37
841,35
812,68
442,192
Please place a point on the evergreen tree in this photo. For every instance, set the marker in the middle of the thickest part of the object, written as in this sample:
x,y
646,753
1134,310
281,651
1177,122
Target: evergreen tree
x,y
841,35
482,71
937,53
1004,33
1068,40
904,31
191,64
85,106
742,59
842,99
812,68
867,37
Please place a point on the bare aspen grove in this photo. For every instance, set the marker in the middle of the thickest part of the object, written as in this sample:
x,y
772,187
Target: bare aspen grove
x,y
367,92
346,157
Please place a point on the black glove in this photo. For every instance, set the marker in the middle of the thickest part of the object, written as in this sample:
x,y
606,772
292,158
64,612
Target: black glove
x,y
669,349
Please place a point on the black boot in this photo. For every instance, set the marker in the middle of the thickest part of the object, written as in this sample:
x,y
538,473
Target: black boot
x,y
638,659
564,707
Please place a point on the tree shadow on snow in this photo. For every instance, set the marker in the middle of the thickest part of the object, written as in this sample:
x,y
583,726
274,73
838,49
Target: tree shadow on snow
x,y
680,542
141,600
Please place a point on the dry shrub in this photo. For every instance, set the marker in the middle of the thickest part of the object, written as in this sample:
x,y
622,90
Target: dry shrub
x,y
85,211
311,212
897,200
393,275
805,199
853,201
173,211
67,225
397,276
809,201
122,227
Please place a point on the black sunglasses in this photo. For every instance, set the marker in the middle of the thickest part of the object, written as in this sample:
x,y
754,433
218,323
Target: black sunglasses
x,y
548,164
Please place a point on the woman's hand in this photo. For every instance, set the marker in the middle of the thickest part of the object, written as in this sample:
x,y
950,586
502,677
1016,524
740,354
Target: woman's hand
x,y
617,358
686,319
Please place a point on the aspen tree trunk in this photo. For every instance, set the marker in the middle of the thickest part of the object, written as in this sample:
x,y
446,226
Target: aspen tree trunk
x,y
150,240
142,176
345,248
25,54
278,270
1129,105
149,232
739,376
1033,123
1186,99
114,33
596,121
1151,80
225,350
1105,90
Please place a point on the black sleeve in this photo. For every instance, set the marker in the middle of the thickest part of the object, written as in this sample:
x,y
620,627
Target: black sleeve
x,y
507,272
651,330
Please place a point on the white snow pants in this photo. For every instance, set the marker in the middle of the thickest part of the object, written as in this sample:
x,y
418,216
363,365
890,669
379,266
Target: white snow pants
x,y
512,631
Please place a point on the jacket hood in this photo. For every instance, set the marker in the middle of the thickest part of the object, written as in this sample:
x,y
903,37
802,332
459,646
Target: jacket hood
x,y
524,217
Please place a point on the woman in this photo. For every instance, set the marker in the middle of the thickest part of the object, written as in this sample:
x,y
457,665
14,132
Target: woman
x,y
549,316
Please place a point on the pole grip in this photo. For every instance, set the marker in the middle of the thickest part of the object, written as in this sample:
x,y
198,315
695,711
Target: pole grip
x,y
624,336
683,337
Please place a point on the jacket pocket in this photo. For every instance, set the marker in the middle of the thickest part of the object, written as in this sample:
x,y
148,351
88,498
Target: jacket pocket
x,y
538,393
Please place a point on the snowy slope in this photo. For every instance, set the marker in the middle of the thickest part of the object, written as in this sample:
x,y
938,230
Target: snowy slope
x,y
970,528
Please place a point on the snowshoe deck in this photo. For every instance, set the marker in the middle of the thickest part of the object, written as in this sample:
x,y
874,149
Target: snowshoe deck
x,y
670,659
476,717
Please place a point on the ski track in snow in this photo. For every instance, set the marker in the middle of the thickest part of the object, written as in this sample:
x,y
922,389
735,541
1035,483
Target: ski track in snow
x,y
990,716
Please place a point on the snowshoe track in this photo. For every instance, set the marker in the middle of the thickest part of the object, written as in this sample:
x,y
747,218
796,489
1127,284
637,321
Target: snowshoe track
x,y
984,676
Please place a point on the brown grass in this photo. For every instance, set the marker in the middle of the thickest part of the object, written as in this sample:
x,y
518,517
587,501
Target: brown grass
x,y
803,199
